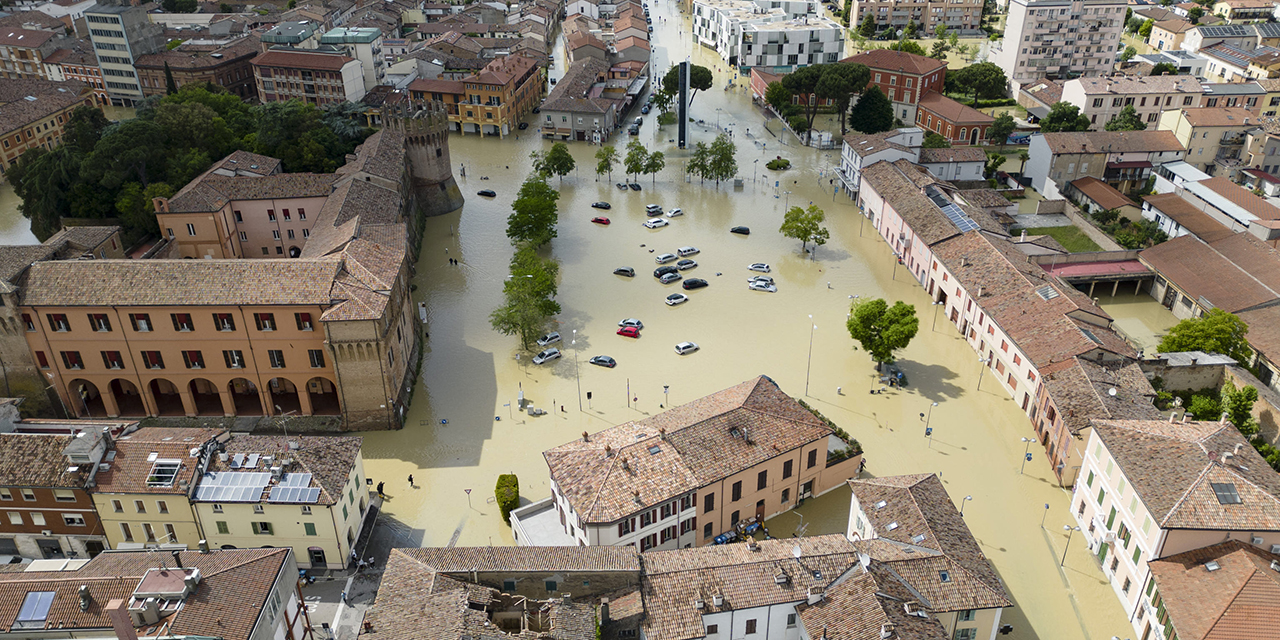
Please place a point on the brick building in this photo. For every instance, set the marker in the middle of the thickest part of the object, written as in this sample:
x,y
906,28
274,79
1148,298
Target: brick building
x,y
23,52
311,76
960,124
228,65
33,112
491,101
44,497
903,77
78,64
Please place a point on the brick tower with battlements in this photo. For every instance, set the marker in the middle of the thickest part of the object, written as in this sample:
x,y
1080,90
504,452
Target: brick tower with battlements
x,y
425,126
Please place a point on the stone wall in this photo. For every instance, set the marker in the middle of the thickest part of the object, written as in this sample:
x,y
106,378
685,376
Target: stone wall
x,y
1066,208
580,585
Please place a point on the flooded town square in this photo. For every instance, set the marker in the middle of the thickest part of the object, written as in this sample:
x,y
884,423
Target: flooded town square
x,y
464,427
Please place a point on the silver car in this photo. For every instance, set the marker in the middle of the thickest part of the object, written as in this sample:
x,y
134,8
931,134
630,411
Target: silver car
x,y
546,356
665,258
550,338
762,286
631,322
686,347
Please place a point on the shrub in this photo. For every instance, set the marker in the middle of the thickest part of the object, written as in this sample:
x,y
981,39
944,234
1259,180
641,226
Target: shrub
x,y
1205,408
854,448
507,491
1106,216
799,124
666,118
778,164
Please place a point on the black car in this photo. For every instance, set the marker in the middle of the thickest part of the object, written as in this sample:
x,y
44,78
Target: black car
x,y
600,205
537,110
694,283
668,278
634,186
603,361
742,231
488,193
664,270
523,126
625,271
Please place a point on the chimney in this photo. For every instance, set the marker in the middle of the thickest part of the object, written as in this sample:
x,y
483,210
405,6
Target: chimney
x,y
979,292
608,451
1239,446
120,620
85,598
585,437
1024,235
177,559
204,546
662,433
886,631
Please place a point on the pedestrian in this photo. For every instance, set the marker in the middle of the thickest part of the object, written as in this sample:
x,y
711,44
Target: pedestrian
x,y
380,484
344,598
411,480
839,391
562,409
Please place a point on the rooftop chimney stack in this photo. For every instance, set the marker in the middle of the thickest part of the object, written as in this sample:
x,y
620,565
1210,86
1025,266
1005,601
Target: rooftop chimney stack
x,y
121,623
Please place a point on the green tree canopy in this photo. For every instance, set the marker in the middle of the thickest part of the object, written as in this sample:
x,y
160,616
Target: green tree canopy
x,y
868,27
657,161
777,96
1000,130
838,83
722,162
908,46
873,113
528,296
939,50
1213,332
1164,68
556,161
534,213
1126,120
1194,14
1145,29
1064,116
606,158
699,80
1237,404
933,140
805,225
881,329
984,80
1128,54
637,157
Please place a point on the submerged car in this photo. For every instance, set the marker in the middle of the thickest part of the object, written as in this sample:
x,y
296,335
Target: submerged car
x,y
625,271
603,361
668,278
694,283
488,193
600,220
675,213
759,266
550,338
600,205
631,322
764,279
686,347
664,270
656,223
676,298
629,332
757,285
634,186
686,264
742,231
664,258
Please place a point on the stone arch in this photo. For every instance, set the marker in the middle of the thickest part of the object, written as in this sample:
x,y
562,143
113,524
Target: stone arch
x,y
205,396
323,395
245,397
128,399
284,397
166,397
86,400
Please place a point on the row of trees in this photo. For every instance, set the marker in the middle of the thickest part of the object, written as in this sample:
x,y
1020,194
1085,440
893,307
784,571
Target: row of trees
x,y
716,161
112,170
529,294
837,82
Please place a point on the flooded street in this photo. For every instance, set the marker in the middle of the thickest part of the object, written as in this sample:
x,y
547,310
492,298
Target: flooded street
x,y
1139,317
472,376
14,229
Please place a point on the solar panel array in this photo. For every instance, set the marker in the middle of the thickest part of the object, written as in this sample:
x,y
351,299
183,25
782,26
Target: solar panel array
x,y
308,495
232,486
296,480
954,213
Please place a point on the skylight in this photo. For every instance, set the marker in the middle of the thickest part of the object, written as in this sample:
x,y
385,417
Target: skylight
x,y
655,449
944,576
881,504
163,472
1212,565
917,539
892,526
35,609
1047,292
1226,492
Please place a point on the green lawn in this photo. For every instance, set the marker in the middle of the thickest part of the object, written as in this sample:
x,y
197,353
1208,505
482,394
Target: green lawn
x,y
1072,238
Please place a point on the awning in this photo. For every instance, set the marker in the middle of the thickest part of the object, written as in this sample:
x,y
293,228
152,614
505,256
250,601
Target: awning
x,y
1140,164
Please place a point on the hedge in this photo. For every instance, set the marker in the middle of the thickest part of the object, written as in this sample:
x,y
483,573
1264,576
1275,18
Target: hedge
x,y
507,491
778,164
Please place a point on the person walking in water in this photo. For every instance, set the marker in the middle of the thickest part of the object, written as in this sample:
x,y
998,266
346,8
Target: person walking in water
x,y
411,480
380,485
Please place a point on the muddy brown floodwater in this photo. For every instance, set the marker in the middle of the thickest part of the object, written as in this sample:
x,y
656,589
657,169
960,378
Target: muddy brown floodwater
x,y
472,376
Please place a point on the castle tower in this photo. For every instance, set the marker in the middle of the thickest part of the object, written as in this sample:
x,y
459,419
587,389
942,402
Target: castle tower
x,y
425,126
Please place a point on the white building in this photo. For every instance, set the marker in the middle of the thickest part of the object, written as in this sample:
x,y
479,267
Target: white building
x,y
1060,39
1152,489
782,35
363,44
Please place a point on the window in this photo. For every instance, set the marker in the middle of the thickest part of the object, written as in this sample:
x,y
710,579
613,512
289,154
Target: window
x,y
275,233
34,611
239,218
64,495
234,359
261,528
224,322
791,619
37,518
112,360
967,615
152,360
813,459
99,322
706,530
193,359
217,508
139,506
73,520
44,361
141,321
709,503
303,320
712,629
302,213
967,634
762,480
1226,492
191,229
222,527
71,359
271,215
751,626
310,528
265,321
551,585
117,507
734,518
737,491
58,322
181,321
15,518
126,532
317,358
786,469
26,320
28,495
306,510
277,358
257,508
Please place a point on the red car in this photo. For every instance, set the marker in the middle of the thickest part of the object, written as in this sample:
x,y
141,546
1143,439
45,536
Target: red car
x,y
630,332
600,220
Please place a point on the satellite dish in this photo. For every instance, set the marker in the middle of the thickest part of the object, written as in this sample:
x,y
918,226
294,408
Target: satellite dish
x,y
795,551
1111,392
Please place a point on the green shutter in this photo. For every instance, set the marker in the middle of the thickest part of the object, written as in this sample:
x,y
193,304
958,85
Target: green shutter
x,y
222,528
344,512
310,527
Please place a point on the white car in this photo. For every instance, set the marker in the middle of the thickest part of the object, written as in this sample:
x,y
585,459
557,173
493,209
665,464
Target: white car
x,y
676,298
764,279
546,356
759,266
686,347
631,322
665,257
687,251
550,338
675,213
653,208
757,285
656,223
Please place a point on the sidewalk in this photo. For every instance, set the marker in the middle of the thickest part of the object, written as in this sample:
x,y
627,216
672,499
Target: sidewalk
x,y
331,618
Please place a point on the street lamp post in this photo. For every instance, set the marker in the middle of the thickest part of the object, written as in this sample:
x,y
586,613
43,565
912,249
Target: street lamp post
x,y
1069,529
809,366
936,304
755,166
787,203
1046,514
665,397
966,499
983,361
928,431
1026,455
576,374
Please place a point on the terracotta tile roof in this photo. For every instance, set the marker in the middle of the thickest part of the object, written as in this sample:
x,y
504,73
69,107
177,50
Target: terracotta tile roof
x,y
705,441
36,460
132,464
226,604
211,192
1137,85
926,517
953,111
1047,92
29,19
1175,486
1103,194
246,161
865,144
572,93
632,41
1012,288
50,97
984,198
1201,272
598,559
1188,216
1236,601
1242,197
1257,258
900,183
15,259
1080,389
85,238
193,56
88,283
301,60
1176,25
860,608
1264,330
382,154
353,204
23,38
953,154
1112,142
888,60
1219,116
329,459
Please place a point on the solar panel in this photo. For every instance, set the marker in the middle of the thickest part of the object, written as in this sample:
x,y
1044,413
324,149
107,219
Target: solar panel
x,y
955,214
294,494
252,462
232,486
296,480
237,460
